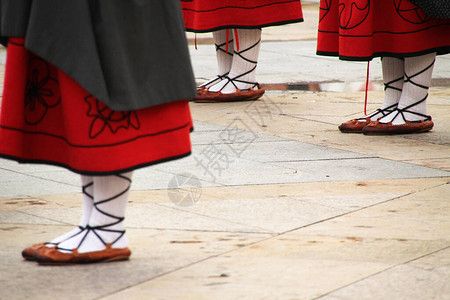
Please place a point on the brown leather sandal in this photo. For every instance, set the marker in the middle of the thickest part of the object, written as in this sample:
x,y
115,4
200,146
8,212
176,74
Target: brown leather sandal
x,y
357,125
52,256
29,252
253,93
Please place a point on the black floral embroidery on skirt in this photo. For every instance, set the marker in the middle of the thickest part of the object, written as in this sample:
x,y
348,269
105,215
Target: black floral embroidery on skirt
x,y
104,117
325,7
353,13
41,92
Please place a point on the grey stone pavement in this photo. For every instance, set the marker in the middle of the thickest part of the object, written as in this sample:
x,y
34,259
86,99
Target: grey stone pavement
x,y
288,209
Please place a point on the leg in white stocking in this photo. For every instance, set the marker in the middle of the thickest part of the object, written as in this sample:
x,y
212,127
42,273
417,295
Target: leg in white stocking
x,y
412,105
393,69
410,116
393,80
224,54
245,59
105,225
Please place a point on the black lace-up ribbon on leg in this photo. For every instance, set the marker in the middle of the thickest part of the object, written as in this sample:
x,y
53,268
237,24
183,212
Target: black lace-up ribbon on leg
x,y
236,79
100,228
387,85
218,78
402,111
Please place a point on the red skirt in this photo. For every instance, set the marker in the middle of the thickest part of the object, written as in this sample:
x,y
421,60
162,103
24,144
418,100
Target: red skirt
x,y
212,15
363,29
47,117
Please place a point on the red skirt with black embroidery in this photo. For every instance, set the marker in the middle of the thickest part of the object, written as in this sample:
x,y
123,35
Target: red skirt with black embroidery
x,y
211,15
47,117
363,29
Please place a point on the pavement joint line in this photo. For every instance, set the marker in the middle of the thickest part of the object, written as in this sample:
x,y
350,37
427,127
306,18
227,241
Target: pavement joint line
x,y
365,207
28,224
209,217
237,143
150,228
323,159
429,142
203,230
182,267
38,177
425,159
175,174
305,86
40,217
382,271
306,119
320,181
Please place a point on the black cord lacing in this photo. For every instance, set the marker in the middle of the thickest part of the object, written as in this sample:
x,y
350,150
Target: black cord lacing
x,y
402,111
86,230
236,79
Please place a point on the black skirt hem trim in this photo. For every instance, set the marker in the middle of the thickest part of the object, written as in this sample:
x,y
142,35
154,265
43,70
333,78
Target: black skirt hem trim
x,y
438,50
98,146
244,27
93,173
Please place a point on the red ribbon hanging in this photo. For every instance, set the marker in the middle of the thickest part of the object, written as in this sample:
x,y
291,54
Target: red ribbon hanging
x,y
237,39
228,38
195,40
367,87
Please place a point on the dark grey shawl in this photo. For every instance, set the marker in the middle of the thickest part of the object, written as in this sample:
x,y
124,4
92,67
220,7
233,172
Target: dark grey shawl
x,y
439,9
130,54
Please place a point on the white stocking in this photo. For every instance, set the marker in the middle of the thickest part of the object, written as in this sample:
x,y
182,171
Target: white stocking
x,y
224,58
224,51
412,104
245,59
393,70
105,225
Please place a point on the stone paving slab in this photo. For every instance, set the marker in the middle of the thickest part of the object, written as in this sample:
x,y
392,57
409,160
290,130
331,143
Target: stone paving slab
x,y
402,218
292,57
361,169
313,240
291,115
271,226
274,159
170,250
427,277
266,270
300,64
332,263
24,184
